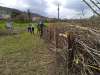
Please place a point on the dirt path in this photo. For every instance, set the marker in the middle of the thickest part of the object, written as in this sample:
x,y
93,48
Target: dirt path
x,y
55,68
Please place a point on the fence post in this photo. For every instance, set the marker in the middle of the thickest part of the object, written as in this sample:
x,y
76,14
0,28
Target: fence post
x,y
71,39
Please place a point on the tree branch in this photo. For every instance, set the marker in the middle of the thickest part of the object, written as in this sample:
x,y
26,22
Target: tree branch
x,y
91,8
95,4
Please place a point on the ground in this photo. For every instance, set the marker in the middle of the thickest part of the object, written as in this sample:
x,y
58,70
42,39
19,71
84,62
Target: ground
x,y
23,54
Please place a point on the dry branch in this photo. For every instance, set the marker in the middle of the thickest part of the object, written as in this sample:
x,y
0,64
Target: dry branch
x,y
92,8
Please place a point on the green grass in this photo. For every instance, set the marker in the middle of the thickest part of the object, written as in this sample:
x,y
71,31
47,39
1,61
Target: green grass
x,y
2,24
23,54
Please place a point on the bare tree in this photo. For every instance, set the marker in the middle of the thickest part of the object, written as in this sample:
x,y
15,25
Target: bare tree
x,y
58,11
95,4
29,15
58,4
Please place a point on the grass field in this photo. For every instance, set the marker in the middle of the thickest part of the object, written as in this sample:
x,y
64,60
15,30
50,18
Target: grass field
x,y
23,54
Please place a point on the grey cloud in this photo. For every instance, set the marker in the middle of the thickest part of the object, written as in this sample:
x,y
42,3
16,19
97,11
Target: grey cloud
x,y
36,6
77,5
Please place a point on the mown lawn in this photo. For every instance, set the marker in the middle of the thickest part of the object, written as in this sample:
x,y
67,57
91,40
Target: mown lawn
x,y
23,54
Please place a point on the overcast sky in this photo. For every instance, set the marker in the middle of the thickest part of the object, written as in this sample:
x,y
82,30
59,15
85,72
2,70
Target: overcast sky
x,y
68,8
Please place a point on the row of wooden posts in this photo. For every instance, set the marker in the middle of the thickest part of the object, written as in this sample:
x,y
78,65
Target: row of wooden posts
x,y
59,39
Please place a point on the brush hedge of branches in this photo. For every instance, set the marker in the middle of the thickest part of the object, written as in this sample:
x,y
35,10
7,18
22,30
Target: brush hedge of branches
x,y
83,56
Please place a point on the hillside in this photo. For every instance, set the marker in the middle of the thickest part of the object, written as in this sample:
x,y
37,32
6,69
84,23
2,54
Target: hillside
x,y
8,11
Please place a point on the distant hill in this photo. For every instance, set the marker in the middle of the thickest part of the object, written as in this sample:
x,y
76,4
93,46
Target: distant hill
x,y
5,12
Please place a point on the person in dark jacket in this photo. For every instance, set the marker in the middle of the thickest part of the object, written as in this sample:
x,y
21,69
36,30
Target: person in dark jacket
x,y
32,29
29,28
40,28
